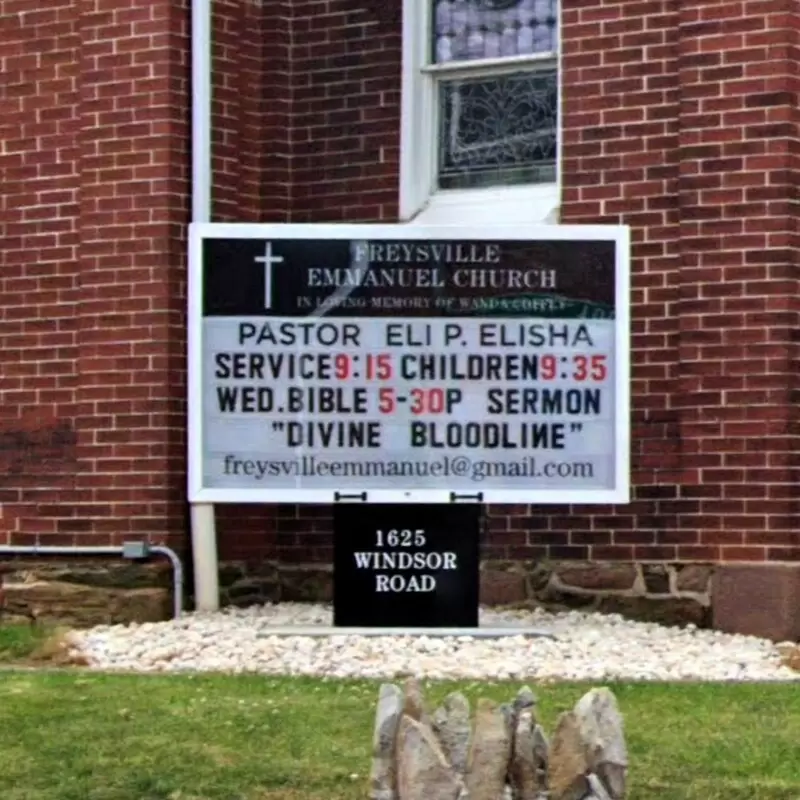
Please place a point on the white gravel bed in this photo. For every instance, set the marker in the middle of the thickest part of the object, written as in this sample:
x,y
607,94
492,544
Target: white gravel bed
x,y
584,646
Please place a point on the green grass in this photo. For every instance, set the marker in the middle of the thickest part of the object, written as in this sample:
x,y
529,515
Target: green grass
x,y
20,642
82,736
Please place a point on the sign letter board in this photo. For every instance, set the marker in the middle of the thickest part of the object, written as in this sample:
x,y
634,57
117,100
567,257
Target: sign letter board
x,y
408,363
406,566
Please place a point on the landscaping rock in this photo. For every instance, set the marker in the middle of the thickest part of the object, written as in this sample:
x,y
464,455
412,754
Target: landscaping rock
x,y
568,764
489,754
527,770
414,704
540,757
523,770
601,728
383,780
583,647
451,723
790,655
525,699
596,789
508,758
422,770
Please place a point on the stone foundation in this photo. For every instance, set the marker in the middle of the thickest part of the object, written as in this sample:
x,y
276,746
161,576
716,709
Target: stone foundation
x,y
242,584
670,594
84,593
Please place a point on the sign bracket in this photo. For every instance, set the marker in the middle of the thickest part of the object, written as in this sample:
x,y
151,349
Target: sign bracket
x,y
466,497
359,497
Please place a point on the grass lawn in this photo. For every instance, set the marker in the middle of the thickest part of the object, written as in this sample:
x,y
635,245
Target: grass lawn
x,y
21,641
82,736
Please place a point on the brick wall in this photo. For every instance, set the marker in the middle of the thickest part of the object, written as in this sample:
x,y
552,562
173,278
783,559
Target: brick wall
x,y
94,200
684,125
681,122
330,126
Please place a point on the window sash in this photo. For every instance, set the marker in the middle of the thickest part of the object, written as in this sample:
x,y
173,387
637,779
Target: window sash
x,y
531,148
489,66
420,192
428,8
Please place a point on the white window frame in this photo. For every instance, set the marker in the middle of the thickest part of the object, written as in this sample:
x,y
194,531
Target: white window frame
x,y
420,201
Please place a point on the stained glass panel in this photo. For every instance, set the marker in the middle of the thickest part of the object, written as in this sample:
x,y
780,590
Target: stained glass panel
x,y
498,130
465,30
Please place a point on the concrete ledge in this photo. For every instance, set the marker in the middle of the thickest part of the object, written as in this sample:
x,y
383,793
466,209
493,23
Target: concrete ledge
x,y
473,633
757,600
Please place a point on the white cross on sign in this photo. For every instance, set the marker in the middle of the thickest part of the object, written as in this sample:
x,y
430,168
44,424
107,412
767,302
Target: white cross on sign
x,y
268,260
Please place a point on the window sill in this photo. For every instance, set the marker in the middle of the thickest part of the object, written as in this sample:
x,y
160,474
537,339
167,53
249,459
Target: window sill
x,y
510,205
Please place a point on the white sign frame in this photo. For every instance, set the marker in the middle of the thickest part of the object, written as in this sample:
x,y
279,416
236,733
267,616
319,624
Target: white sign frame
x,y
198,493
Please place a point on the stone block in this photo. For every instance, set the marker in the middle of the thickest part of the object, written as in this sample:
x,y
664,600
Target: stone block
x,y
253,591
665,611
597,577
502,587
656,578
556,599
84,606
101,574
693,578
230,572
538,575
757,600
306,584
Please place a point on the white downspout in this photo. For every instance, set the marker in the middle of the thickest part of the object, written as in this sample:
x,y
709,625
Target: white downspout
x,y
203,523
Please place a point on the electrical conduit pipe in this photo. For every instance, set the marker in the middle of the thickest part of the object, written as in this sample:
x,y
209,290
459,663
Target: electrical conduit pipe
x,y
133,551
